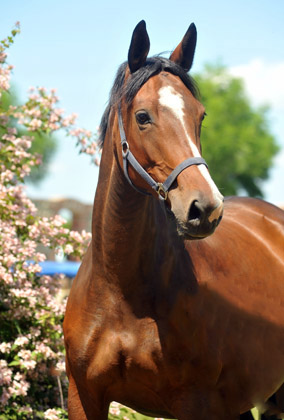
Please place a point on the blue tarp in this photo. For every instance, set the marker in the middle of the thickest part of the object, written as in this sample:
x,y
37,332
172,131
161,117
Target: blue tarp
x,y
68,268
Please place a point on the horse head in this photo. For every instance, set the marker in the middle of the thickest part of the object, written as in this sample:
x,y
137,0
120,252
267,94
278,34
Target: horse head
x,y
160,121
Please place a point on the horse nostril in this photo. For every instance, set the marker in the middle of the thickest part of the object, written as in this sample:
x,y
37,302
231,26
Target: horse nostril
x,y
195,213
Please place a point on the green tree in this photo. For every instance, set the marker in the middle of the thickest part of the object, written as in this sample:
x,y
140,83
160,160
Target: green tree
x,y
43,144
236,139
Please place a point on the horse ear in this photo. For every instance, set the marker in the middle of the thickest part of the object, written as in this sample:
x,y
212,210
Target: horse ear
x,y
139,47
184,52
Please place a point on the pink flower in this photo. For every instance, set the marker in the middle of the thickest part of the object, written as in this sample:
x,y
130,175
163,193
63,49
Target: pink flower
x,y
60,366
69,249
5,347
5,373
21,341
5,396
114,408
51,414
19,386
35,124
44,350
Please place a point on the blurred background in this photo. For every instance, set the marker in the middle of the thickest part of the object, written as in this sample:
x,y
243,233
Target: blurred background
x,y
76,47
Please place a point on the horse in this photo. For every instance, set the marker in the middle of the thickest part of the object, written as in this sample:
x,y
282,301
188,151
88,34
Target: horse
x,y
177,309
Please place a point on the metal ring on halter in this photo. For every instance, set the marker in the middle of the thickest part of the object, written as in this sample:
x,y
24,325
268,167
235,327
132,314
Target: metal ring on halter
x,y
162,193
125,148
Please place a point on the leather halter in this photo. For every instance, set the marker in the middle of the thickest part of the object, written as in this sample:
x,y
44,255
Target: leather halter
x,y
162,189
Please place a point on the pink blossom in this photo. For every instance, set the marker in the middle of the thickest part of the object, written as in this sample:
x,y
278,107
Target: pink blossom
x,y
5,373
25,409
114,408
69,249
97,161
3,57
5,347
60,366
21,341
19,387
44,350
28,364
35,124
51,414
4,396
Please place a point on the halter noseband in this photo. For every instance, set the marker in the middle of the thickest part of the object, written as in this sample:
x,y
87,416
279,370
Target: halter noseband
x,y
162,189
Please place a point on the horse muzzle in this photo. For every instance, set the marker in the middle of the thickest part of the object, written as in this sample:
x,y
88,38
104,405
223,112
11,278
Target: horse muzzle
x,y
199,218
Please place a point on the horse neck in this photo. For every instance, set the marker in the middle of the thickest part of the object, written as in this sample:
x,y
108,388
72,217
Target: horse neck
x,y
126,224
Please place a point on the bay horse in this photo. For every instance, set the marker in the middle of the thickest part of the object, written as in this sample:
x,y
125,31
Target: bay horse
x,y
165,315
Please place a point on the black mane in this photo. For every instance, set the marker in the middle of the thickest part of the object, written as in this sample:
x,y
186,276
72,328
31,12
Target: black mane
x,y
152,66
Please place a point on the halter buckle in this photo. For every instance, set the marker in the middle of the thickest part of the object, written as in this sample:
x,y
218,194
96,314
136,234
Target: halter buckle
x,y
162,193
125,148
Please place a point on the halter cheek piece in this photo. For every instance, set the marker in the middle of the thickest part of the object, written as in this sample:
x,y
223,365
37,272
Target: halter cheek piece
x,y
162,189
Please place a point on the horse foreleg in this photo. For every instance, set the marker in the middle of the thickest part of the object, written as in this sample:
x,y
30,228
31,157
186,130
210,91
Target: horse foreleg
x,y
77,410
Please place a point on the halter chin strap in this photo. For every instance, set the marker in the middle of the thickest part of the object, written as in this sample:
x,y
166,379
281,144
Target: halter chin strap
x,y
162,189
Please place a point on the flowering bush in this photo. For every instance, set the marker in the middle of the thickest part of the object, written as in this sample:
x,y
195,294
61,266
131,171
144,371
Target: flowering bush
x,y
33,383
32,380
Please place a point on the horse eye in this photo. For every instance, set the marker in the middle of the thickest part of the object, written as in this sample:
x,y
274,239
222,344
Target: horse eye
x,y
143,118
200,125
204,115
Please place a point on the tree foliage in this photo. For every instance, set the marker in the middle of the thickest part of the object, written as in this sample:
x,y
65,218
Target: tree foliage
x,y
236,139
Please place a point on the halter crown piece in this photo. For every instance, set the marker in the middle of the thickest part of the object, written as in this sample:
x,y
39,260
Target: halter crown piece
x,y
162,189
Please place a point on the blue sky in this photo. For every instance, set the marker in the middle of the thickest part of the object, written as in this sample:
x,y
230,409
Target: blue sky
x,y
76,47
